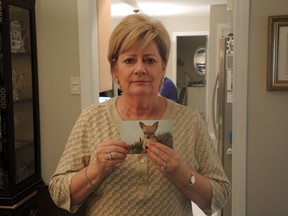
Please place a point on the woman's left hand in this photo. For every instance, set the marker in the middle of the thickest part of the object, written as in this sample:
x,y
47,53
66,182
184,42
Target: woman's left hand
x,y
168,162
175,169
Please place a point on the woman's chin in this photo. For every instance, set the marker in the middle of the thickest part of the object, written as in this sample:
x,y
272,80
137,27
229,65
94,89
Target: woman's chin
x,y
142,93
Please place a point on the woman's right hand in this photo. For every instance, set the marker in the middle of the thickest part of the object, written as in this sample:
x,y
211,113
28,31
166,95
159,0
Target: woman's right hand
x,y
110,153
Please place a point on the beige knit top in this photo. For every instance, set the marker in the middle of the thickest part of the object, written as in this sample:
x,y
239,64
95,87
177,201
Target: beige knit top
x,y
131,189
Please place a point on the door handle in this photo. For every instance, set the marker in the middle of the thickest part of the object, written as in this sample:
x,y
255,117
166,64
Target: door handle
x,y
229,151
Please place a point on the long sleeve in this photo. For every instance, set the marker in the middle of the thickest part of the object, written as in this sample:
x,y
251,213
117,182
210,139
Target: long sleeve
x,y
210,166
197,150
75,156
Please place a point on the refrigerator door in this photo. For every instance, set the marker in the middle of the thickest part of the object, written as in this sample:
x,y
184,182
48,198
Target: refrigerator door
x,y
222,112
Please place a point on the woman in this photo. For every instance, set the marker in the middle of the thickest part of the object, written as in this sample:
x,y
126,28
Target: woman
x,y
96,167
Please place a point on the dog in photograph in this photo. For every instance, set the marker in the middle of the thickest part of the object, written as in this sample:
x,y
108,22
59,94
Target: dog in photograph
x,y
149,134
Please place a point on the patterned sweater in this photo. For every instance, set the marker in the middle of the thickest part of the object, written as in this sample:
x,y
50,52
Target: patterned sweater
x,y
130,189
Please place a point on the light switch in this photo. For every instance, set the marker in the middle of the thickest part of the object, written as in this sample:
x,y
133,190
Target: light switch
x,y
75,87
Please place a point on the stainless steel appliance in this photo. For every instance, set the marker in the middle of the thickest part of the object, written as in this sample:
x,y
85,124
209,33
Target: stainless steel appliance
x,y
222,101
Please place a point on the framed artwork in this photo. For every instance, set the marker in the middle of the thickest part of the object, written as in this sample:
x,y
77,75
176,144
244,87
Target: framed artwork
x,y
277,73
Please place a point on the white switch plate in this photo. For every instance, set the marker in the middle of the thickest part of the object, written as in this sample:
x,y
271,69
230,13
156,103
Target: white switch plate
x,y
75,87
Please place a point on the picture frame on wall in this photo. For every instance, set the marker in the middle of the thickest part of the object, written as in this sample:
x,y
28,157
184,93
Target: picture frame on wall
x,y
277,71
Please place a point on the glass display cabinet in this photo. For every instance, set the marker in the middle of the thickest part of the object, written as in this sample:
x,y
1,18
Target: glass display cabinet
x,y
19,108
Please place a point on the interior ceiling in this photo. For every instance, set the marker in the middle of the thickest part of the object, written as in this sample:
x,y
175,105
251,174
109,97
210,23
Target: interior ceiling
x,y
164,7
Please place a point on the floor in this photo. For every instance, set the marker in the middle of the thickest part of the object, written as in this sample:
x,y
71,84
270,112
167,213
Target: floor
x,y
198,212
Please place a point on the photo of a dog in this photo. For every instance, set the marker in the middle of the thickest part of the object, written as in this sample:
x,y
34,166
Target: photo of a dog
x,y
139,134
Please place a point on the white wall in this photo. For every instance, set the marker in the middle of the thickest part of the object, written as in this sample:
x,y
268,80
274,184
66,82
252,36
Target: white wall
x,y
267,141
58,60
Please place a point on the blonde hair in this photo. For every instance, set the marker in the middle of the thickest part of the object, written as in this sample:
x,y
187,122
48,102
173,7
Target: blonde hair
x,y
137,31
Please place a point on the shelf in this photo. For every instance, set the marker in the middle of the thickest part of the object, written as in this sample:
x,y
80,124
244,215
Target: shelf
x,y
21,101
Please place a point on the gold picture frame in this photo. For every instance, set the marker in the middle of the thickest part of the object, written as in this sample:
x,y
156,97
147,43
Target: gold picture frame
x,y
277,73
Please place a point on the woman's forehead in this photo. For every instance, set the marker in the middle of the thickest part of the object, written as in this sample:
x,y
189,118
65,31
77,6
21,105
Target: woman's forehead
x,y
150,48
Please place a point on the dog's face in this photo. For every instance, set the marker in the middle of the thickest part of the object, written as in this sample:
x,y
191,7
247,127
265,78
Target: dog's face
x,y
149,130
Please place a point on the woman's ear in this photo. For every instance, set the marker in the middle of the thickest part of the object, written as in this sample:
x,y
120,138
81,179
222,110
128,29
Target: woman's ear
x,y
115,74
115,77
164,71
164,66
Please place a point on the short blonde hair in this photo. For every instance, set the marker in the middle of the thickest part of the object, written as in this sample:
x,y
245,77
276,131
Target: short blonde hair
x,y
137,31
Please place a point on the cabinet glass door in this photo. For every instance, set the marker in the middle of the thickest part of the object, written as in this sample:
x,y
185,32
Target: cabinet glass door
x,y
20,169
1,154
22,87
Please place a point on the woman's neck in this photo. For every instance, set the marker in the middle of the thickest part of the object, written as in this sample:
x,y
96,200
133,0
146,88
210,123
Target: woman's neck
x,y
135,109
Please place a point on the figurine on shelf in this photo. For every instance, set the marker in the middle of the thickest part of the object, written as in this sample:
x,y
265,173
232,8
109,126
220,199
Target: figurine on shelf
x,y
17,43
18,83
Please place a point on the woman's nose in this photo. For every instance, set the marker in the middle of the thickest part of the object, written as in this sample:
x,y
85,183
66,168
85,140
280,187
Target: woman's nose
x,y
140,67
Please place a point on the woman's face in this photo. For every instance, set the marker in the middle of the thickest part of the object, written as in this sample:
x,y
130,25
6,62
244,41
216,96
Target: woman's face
x,y
140,72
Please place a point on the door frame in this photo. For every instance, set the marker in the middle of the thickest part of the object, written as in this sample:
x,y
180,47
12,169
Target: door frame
x,y
174,48
239,116
88,52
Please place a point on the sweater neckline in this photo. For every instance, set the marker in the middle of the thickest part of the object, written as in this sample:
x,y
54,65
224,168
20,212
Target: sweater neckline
x,y
116,118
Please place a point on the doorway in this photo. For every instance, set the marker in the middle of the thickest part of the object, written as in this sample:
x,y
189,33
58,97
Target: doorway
x,y
186,73
184,45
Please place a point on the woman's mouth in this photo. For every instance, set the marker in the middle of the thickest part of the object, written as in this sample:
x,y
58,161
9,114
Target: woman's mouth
x,y
140,81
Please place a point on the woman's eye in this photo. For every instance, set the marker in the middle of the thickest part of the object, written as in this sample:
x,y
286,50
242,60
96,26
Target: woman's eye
x,y
128,61
150,61
133,61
